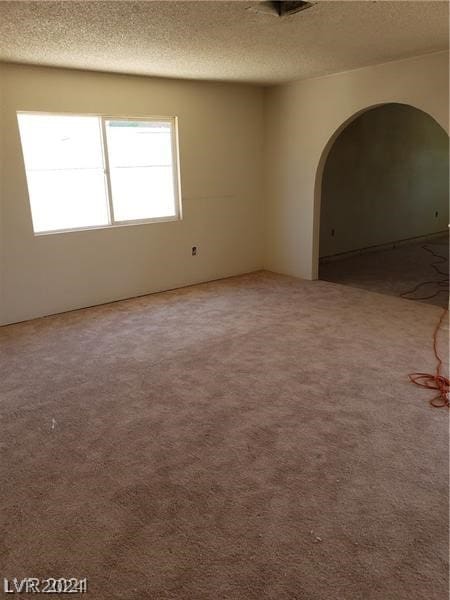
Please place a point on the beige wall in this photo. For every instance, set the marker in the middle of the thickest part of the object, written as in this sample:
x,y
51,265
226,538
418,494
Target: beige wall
x,y
385,178
302,120
223,129
221,144
2,287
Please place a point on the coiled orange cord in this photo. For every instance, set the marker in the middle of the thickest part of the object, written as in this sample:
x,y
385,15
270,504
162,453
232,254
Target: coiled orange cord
x,y
436,381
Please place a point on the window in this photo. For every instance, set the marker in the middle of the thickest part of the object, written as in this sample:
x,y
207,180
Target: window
x,y
92,171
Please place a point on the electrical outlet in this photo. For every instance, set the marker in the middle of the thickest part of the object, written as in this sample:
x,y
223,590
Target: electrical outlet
x,y
194,250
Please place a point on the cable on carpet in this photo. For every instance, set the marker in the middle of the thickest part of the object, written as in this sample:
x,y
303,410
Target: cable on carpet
x,y
441,283
434,381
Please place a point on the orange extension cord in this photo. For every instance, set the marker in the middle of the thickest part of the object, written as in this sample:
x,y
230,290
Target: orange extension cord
x,y
436,381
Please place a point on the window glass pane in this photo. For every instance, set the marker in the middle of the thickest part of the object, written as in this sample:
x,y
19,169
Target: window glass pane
x,y
141,168
67,199
60,142
139,143
64,166
142,193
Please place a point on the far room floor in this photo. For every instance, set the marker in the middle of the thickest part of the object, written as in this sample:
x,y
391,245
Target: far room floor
x,y
254,438
405,270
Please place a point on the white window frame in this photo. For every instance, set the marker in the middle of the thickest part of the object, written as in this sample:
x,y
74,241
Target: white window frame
x,y
173,121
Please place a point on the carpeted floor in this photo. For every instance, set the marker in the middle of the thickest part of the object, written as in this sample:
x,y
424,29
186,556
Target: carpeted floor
x,y
253,438
396,271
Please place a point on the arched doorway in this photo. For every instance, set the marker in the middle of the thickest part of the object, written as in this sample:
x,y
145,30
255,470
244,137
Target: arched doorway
x,y
382,183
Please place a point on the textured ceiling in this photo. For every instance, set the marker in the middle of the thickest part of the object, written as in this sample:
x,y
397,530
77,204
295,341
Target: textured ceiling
x,y
219,40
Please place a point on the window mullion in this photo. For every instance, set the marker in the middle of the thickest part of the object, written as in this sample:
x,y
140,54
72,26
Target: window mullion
x,y
107,170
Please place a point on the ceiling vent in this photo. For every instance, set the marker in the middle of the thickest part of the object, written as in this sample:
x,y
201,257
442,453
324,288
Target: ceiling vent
x,y
289,7
279,8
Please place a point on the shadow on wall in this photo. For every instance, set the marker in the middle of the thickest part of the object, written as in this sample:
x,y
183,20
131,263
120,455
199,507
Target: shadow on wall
x,y
386,178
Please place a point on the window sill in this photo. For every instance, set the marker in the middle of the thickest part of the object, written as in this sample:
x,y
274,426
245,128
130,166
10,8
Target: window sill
x,y
109,226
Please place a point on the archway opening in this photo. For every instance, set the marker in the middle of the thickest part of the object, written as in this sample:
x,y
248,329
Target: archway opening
x,y
384,204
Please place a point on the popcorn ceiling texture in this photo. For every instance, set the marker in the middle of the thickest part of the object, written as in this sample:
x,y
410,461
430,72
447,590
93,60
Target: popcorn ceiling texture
x,y
219,40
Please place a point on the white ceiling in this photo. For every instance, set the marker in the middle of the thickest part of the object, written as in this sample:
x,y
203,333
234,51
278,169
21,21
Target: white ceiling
x,y
221,39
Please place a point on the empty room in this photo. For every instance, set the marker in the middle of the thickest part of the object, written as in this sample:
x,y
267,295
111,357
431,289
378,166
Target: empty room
x,y
224,299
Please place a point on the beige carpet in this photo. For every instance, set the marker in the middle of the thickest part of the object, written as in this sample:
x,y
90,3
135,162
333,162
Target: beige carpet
x,y
249,439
